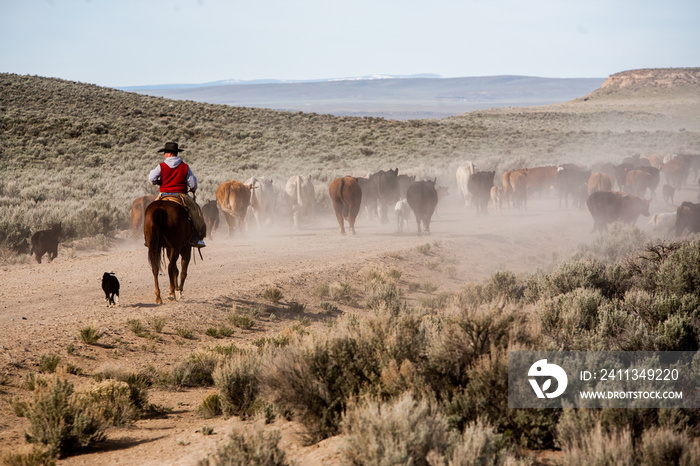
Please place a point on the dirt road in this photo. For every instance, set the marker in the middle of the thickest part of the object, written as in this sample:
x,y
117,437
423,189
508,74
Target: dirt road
x,y
43,307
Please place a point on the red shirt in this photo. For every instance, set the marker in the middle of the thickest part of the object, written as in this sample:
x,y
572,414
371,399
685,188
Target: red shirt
x,y
174,179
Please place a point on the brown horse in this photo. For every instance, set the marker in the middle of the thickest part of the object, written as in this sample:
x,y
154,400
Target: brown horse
x,y
167,226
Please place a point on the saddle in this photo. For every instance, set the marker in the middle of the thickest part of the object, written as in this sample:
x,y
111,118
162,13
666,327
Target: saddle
x,y
191,207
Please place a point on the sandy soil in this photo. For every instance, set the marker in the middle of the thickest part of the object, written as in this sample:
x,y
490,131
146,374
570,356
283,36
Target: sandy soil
x,y
44,306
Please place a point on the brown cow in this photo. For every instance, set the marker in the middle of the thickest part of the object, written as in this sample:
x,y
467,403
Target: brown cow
x,y
599,182
138,207
210,211
507,194
346,197
654,180
422,197
233,198
608,207
541,179
637,182
518,187
676,171
46,242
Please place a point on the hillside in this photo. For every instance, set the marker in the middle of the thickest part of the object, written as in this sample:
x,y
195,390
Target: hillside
x,y
73,151
401,99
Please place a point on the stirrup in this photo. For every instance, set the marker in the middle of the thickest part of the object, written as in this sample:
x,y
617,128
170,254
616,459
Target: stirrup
x,y
197,244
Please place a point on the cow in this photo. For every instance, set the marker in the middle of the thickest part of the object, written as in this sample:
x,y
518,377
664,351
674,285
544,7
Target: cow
x,y
403,213
668,192
693,162
46,242
404,182
262,200
607,167
517,181
621,172
370,197
479,185
422,198
210,211
599,182
496,197
655,161
637,182
464,171
676,171
346,196
301,197
541,179
110,285
570,182
234,198
654,180
613,206
387,185
138,207
688,217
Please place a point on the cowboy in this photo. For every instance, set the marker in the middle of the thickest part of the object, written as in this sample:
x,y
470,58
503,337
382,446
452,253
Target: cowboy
x,y
174,177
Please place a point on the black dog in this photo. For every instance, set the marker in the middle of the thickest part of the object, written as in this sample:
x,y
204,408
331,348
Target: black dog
x,y
110,285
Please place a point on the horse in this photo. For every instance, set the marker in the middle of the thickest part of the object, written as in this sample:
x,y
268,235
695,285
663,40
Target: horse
x,y
167,226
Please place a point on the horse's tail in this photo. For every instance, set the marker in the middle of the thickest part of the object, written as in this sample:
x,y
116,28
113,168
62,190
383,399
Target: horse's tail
x,y
155,242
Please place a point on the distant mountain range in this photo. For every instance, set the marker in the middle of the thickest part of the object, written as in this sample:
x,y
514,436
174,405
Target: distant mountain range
x,y
392,97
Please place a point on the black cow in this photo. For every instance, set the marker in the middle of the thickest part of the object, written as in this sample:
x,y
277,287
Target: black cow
x,y
46,241
387,188
110,285
608,207
422,197
370,196
688,217
570,182
621,172
404,182
479,186
210,210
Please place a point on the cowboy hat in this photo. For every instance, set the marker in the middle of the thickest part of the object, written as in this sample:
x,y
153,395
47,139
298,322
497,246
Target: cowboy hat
x,y
171,147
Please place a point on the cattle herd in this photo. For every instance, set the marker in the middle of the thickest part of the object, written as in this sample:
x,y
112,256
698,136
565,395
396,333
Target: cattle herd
x,y
612,193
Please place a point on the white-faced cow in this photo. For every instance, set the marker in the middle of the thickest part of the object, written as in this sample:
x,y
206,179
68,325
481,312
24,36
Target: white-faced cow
x,y
300,196
611,206
570,182
422,197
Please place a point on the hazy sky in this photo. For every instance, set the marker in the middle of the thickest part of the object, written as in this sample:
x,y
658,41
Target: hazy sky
x,y
137,42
